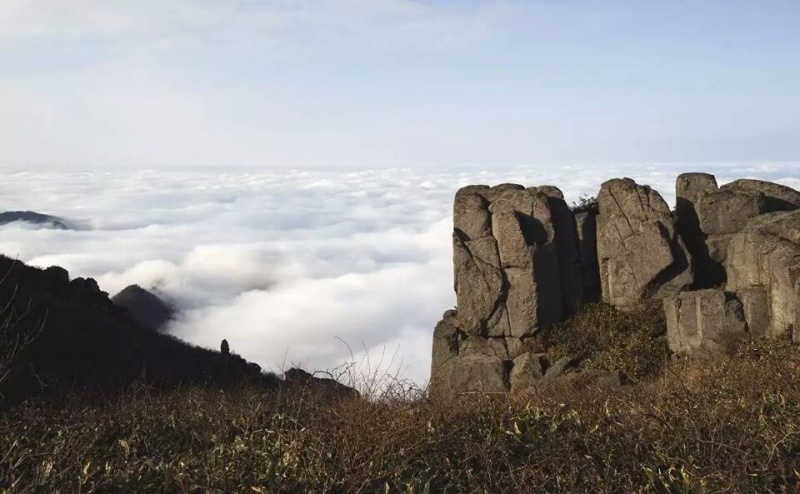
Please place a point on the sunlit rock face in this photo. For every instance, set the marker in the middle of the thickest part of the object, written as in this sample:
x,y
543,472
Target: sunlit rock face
x,y
726,264
517,267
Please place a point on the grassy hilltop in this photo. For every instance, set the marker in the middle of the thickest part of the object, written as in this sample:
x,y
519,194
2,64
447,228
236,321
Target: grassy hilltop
x,y
729,425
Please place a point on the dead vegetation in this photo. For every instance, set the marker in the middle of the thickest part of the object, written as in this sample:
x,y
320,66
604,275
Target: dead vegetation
x,y
731,425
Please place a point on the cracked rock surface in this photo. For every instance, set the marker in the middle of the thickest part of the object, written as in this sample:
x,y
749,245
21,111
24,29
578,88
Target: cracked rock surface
x,y
640,252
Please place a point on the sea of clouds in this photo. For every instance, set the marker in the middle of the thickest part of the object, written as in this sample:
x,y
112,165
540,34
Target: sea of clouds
x,y
310,268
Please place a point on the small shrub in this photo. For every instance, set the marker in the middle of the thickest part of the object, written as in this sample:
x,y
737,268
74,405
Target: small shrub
x,y
584,204
602,337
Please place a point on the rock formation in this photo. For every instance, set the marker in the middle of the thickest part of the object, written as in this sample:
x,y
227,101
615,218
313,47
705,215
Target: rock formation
x,y
707,321
517,269
726,263
145,307
641,254
710,216
763,264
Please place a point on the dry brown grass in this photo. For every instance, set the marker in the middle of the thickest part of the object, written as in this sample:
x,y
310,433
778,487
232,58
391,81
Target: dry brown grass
x,y
601,337
731,425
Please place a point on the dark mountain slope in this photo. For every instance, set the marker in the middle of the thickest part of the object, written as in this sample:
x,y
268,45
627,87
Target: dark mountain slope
x,y
81,340
33,218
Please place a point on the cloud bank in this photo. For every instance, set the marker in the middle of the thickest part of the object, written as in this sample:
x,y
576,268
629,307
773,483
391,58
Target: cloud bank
x,y
298,267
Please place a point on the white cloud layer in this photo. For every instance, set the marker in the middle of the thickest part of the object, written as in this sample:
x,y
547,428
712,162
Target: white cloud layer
x,y
290,267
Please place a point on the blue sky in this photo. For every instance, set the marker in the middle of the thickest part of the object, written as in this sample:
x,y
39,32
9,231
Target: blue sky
x,y
379,83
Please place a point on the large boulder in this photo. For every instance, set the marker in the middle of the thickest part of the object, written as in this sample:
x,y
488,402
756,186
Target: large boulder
x,y
569,259
640,251
709,217
778,197
517,269
766,255
512,248
705,322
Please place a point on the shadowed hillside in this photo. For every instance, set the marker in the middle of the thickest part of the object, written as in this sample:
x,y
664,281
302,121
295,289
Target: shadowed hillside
x,y
76,338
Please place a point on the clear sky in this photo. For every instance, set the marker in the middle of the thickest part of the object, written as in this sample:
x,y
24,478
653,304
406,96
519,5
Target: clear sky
x,y
375,83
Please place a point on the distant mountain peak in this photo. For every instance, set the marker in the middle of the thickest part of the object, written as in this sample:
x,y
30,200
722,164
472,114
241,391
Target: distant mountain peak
x,y
34,218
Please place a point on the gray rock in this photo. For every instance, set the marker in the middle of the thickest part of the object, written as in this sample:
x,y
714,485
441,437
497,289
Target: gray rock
x,y
641,254
472,373
566,237
778,197
717,252
766,253
707,322
446,340
586,227
527,370
471,213
728,210
479,284
691,186
523,227
689,189
755,304
487,347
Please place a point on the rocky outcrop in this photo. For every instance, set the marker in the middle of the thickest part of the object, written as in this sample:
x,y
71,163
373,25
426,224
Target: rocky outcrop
x,y
517,269
513,249
778,197
710,216
726,264
763,263
640,252
145,307
704,322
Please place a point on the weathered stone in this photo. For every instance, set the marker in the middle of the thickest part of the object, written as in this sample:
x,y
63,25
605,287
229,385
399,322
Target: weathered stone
x,y
717,246
767,253
728,210
550,191
479,285
689,189
494,192
469,374
519,346
566,237
471,212
521,220
691,186
488,347
755,304
526,371
778,197
641,254
446,339
586,226
704,322
523,226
